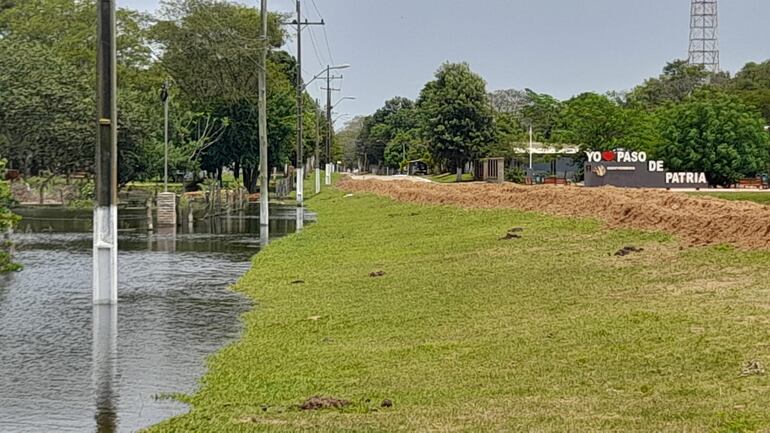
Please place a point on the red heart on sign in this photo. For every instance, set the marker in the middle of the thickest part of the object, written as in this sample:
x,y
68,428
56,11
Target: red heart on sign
x,y
608,155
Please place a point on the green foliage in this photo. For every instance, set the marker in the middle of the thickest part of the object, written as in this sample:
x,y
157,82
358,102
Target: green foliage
x,y
212,51
515,175
678,81
542,114
8,220
348,138
45,110
389,134
752,85
47,88
457,117
595,122
717,134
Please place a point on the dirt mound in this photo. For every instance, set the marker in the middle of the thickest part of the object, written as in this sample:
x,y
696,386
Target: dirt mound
x,y
695,220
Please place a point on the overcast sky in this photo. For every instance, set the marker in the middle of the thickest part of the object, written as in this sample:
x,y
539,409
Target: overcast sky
x,y
560,47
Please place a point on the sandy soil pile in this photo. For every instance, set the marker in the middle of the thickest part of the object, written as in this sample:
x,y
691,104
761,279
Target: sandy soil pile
x,y
695,220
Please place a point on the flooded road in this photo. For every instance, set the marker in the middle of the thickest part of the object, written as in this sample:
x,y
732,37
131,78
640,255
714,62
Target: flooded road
x,y
67,366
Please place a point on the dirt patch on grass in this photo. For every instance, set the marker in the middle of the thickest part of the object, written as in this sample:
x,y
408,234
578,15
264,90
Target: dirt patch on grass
x,y
695,220
320,403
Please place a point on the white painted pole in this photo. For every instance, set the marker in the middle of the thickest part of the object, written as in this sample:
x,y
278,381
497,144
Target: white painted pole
x,y
328,175
530,148
300,186
300,219
317,179
105,276
105,238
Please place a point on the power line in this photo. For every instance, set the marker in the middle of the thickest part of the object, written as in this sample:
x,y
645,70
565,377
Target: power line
x,y
326,34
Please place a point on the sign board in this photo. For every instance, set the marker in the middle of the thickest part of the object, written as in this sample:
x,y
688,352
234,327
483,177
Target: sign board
x,y
634,170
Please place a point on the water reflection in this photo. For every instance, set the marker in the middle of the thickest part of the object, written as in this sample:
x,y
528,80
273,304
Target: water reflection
x,y
66,366
105,355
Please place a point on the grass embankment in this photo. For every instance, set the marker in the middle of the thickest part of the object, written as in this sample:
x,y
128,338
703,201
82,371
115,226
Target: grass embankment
x,y
465,332
450,178
756,197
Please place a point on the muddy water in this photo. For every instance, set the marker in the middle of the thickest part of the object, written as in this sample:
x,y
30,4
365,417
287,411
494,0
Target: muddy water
x,y
66,366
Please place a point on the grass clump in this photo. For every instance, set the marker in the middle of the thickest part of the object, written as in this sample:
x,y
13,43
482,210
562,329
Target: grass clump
x,y
756,197
464,330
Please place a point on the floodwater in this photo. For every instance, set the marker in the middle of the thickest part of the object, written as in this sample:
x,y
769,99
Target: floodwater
x,y
67,366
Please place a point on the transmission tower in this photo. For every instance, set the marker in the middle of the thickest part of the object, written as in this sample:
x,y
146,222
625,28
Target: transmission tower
x,y
704,34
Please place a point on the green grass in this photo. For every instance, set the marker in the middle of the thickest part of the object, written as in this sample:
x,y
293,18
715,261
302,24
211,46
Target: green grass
x,y
468,333
450,178
756,197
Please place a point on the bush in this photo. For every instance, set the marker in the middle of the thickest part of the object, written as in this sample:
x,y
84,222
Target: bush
x,y
8,220
515,175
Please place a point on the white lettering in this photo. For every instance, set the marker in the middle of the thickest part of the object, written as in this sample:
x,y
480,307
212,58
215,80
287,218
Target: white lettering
x,y
656,166
632,157
594,156
688,178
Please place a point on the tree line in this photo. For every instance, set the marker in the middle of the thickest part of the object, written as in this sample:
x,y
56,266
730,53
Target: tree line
x,y
692,119
206,49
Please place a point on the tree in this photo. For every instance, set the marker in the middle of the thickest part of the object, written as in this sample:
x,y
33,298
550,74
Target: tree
x,y
46,114
211,49
595,122
752,85
49,57
457,117
715,133
348,139
678,81
396,117
510,101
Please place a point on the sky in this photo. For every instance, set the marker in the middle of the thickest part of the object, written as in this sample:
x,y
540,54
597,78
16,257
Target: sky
x,y
559,47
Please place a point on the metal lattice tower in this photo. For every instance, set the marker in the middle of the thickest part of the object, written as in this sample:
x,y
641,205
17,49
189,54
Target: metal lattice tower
x,y
704,34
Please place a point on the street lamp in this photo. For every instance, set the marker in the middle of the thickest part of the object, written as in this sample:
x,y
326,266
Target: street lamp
x,y
346,98
325,71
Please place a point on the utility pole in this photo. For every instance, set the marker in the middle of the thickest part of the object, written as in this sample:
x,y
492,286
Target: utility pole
x,y
264,214
530,147
166,201
164,97
328,115
105,241
300,103
317,152
329,108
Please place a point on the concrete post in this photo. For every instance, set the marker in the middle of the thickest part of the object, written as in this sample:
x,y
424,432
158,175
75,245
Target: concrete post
x,y
105,238
300,186
328,180
149,216
167,209
300,219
